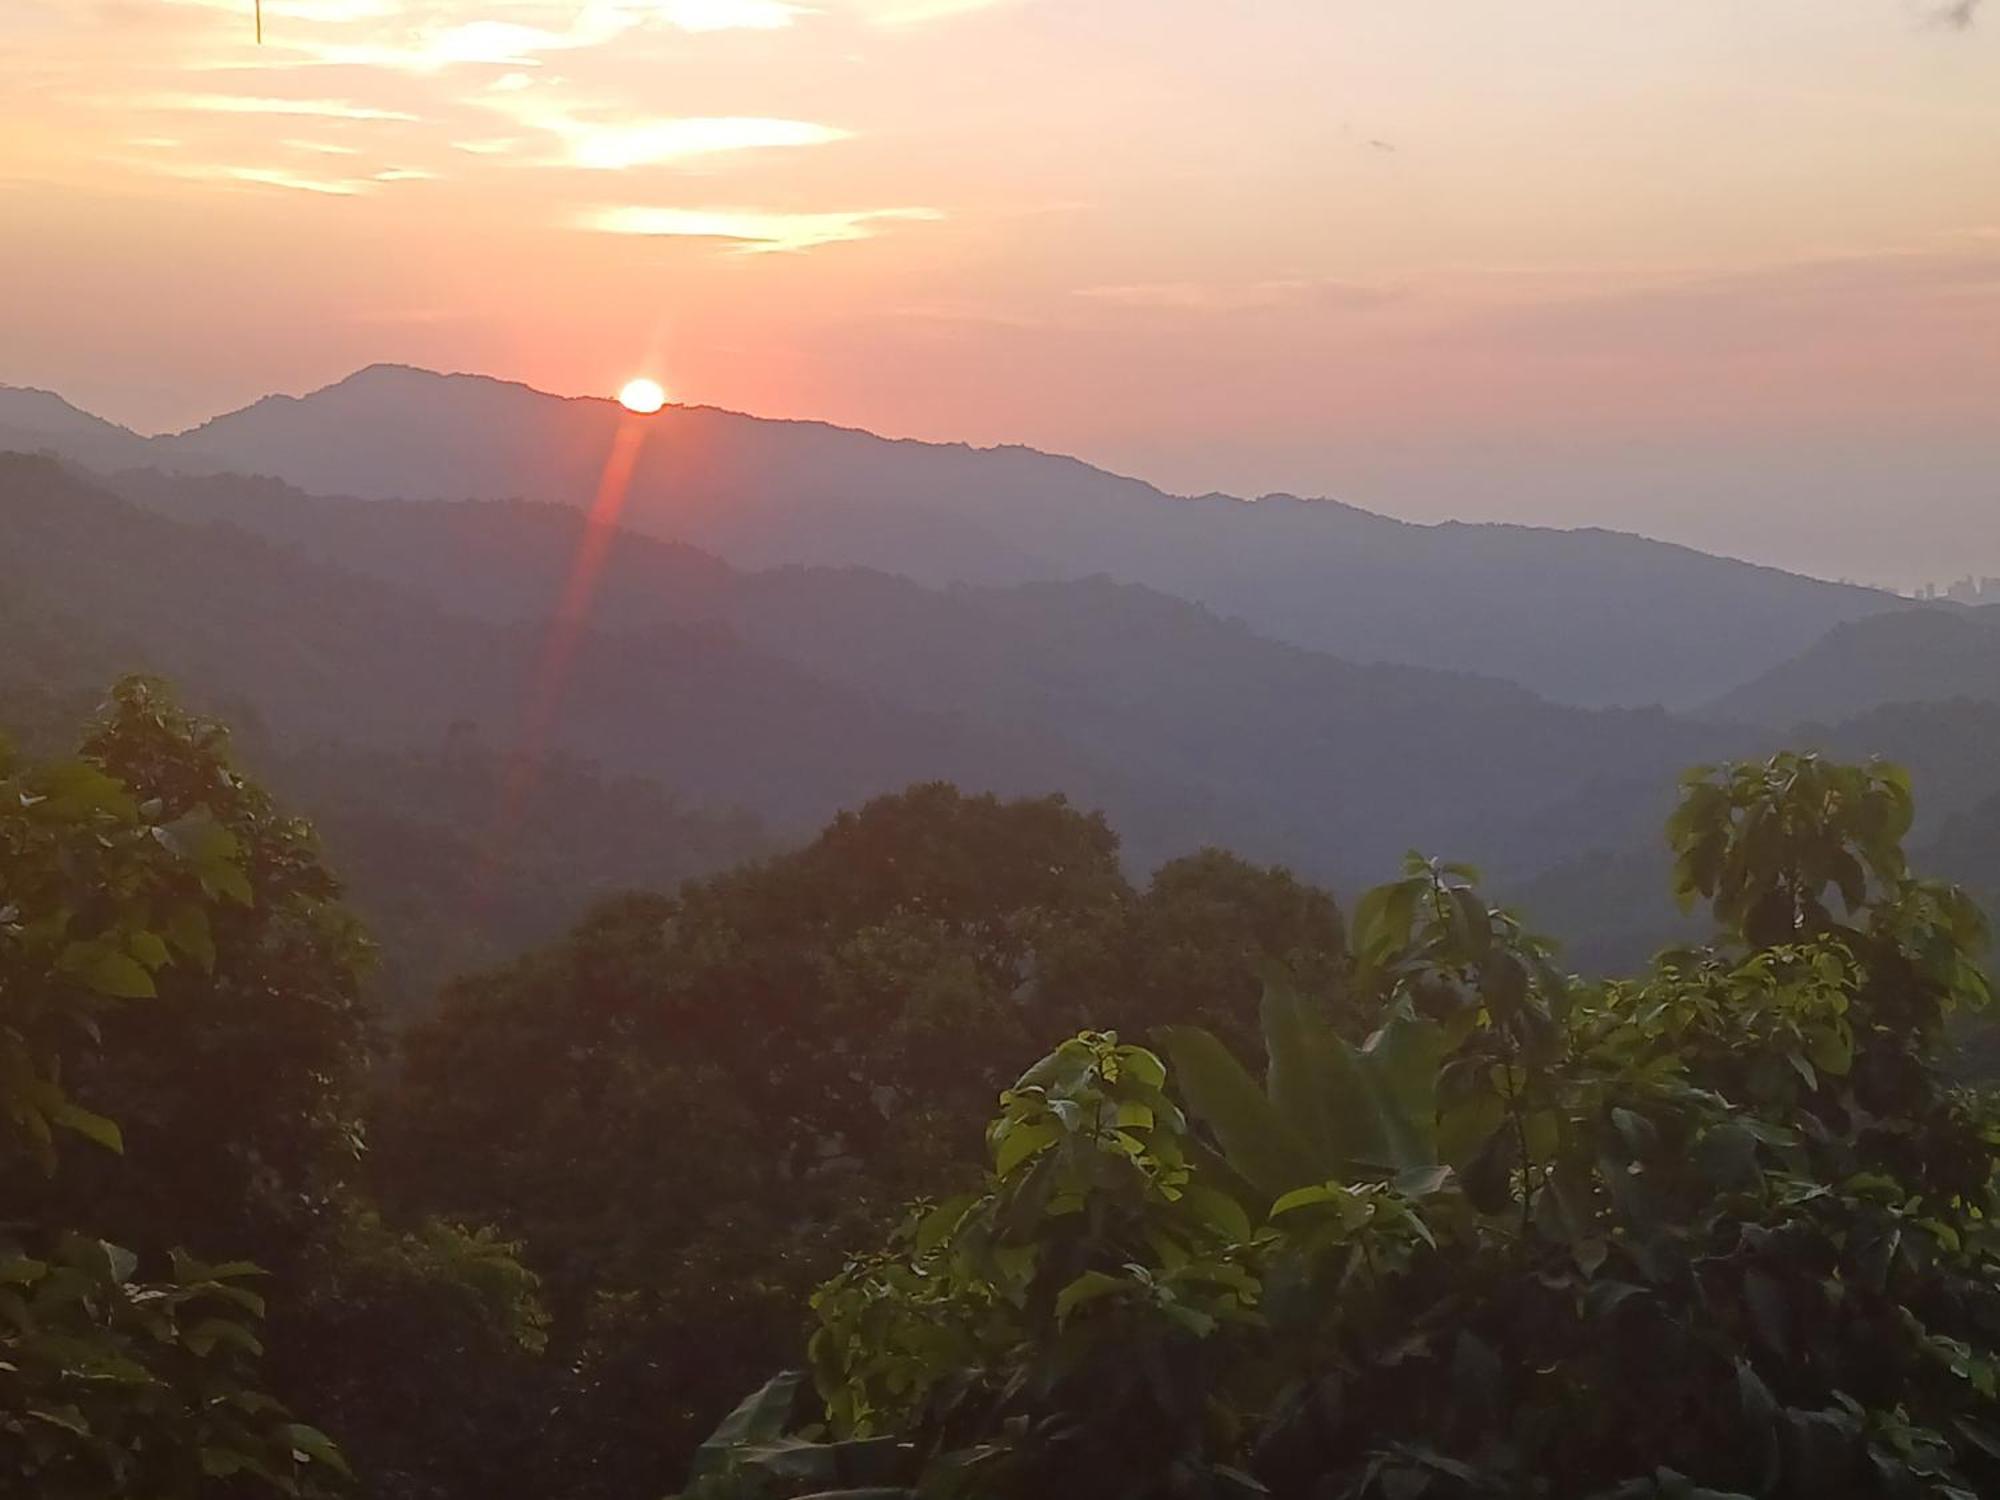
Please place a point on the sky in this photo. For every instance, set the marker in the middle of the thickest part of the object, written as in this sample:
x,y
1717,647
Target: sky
x,y
1726,273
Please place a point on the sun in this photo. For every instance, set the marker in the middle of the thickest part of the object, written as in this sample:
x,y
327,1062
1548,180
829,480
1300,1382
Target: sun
x,y
642,395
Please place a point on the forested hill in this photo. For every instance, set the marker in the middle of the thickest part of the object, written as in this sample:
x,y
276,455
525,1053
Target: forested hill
x,y
1215,733
1588,617
353,635
1917,655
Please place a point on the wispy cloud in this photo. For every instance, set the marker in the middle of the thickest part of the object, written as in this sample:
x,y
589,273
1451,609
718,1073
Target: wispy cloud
x,y
754,231
645,142
495,43
298,182
730,15
322,148
602,144
317,12
336,187
535,30
246,104
1793,305
1216,297
914,12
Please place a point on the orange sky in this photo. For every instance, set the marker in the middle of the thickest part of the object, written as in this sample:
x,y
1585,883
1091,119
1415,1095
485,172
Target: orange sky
x,y
1727,272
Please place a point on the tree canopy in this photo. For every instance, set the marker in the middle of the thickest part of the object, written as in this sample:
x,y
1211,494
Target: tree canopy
x,y
1722,1229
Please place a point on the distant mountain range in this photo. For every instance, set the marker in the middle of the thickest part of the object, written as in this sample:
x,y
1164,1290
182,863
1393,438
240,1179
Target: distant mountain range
x,y
383,655
1588,617
1904,656
794,691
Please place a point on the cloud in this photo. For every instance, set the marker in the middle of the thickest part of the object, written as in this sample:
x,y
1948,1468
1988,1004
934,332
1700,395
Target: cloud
x,y
755,231
914,12
614,145
317,12
1957,16
729,15
426,47
245,104
299,182
338,187
495,43
1793,305
323,148
1217,297
647,142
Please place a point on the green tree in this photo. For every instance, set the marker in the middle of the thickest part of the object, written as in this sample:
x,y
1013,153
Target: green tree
x,y
692,1107
266,998
1723,1229
114,1383
174,957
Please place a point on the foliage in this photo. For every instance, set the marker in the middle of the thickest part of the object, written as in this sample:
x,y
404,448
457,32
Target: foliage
x,y
422,1348
110,1383
266,995
1723,1229
831,1027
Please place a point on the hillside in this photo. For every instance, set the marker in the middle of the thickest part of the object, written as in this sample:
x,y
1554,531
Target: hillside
x,y
1297,755
1591,617
1926,654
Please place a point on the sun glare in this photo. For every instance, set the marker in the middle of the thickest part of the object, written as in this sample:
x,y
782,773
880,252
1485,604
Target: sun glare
x,y
642,395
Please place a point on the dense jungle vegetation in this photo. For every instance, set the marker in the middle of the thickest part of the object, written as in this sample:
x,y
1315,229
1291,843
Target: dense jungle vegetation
x,y
1272,1200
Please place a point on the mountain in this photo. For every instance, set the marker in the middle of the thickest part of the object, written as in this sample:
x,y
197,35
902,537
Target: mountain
x,y
1921,654
1274,750
323,653
1589,617
355,638
31,420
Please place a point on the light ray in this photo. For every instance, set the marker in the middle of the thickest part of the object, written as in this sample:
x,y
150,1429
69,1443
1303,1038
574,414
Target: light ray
x,y
566,628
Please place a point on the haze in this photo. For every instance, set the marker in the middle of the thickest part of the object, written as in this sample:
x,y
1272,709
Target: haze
x,y
1720,273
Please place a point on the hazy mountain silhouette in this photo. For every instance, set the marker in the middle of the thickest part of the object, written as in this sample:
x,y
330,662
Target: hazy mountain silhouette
x,y
1297,755
318,653
31,420
1582,616
353,635
1921,654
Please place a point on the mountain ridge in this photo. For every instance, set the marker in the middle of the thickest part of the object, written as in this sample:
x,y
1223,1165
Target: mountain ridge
x,y
1592,616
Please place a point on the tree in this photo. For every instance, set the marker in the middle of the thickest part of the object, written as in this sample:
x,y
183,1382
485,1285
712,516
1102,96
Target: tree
x,y
265,997
174,958
689,1110
1724,1229
114,1383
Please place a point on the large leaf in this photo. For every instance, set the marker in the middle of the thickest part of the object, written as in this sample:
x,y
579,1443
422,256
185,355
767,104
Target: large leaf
x,y
1375,1107
760,1417
1399,1069
1257,1140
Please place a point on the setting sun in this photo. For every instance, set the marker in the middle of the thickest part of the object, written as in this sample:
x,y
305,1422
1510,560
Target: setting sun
x,y
642,395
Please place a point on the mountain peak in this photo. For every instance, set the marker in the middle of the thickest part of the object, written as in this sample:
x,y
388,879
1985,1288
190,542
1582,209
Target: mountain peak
x,y
30,407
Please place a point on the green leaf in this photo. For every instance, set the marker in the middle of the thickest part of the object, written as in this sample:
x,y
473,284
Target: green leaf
x,y
1257,1141
1087,1288
108,971
759,1417
94,1127
310,1443
187,928
1219,1211
1021,1141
